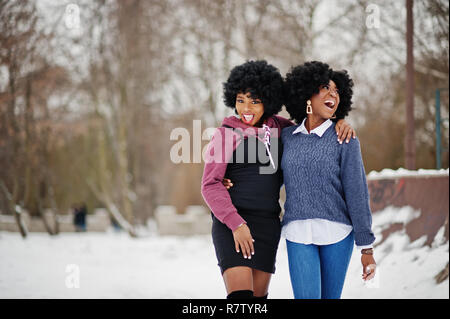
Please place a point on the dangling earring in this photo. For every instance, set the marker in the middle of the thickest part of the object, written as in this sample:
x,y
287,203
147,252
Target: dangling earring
x,y
308,107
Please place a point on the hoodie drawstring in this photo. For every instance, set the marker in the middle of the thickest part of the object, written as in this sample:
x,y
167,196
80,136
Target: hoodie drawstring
x,y
267,143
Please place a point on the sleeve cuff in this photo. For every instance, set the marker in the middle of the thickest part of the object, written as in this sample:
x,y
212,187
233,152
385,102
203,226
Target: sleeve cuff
x,y
364,247
364,239
234,221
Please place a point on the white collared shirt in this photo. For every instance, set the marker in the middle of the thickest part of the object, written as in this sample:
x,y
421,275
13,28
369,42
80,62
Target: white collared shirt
x,y
318,130
316,231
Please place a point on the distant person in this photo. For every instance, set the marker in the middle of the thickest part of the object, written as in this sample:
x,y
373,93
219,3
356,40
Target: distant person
x,y
115,224
79,220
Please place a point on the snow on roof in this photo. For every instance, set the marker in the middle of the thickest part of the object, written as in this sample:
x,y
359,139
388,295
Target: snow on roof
x,y
401,172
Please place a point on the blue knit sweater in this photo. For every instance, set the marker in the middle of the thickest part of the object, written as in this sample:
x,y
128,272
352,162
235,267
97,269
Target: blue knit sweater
x,y
325,179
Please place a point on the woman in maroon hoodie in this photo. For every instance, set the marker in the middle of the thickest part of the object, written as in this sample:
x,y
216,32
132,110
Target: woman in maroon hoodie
x,y
246,149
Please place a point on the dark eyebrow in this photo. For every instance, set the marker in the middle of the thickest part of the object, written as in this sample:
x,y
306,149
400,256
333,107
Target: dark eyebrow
x,y
330,86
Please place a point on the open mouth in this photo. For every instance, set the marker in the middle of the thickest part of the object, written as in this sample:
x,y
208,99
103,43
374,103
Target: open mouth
x,y
330,104
247,118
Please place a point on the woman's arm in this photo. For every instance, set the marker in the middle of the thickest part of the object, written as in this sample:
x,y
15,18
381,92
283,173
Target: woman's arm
x,y
216,194
356,192
213,191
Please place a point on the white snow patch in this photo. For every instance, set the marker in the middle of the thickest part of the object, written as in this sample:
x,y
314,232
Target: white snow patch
x,y
401,172
393,215
113,265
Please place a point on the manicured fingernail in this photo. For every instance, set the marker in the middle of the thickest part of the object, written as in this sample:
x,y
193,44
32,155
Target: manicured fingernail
x,y
253,252
348,141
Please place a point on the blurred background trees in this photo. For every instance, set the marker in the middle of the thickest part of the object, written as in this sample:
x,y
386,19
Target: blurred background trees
x,y
90,90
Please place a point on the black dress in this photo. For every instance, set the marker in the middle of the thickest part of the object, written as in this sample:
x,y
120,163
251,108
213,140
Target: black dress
x,y
255,195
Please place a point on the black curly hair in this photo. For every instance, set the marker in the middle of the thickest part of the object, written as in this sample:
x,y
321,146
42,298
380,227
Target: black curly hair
x,y
305,80
262,80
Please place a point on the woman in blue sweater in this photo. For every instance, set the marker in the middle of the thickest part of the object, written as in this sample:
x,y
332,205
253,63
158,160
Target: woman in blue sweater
x,y
327,201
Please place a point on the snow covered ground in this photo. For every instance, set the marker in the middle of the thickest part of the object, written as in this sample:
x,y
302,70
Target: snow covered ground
x,y
113,265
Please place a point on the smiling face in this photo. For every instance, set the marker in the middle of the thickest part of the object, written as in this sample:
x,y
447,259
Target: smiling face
x,y
250,110
325,103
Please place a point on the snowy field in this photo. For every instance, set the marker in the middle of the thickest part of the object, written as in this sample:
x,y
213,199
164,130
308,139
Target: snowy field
x,y
113,265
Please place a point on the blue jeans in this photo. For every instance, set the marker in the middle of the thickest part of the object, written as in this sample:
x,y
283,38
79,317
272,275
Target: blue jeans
x,y
318,272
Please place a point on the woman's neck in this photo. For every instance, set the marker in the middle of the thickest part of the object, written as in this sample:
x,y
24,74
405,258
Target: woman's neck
x,y
312,122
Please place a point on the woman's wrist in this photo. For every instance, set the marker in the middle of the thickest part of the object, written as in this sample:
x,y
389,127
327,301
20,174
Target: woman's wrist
x,y
240,225
360,247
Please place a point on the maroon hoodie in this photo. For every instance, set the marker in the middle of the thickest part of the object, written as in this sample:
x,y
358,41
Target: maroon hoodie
x,y
219,152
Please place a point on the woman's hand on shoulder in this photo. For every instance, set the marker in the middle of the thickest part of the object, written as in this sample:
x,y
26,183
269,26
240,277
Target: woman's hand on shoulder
x,y
344,131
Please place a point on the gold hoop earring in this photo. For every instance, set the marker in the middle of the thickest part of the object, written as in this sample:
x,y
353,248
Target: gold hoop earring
x,y
308,107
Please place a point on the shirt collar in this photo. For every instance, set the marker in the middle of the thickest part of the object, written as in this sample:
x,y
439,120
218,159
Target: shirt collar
x,y
318,130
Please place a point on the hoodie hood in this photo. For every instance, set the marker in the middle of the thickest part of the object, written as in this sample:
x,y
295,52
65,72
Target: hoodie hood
x,y
273,122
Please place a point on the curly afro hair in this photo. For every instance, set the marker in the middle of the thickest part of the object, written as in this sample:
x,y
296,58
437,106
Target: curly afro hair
x,y
305,80
262,80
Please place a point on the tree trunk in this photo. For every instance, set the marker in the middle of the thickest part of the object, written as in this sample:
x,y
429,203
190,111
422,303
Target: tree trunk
x,y
410,149
51,194
103,192
11,209
112,210
40,195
